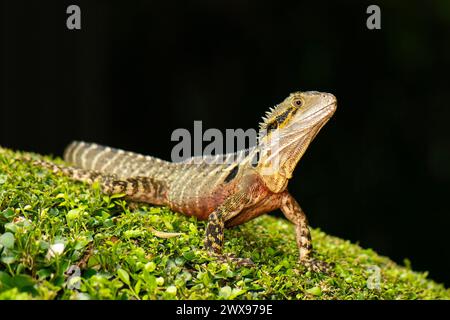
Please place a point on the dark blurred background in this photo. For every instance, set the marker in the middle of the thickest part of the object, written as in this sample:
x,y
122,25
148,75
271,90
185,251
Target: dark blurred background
x,y
377,174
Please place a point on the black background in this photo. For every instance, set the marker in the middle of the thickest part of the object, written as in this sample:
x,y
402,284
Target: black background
x,y
377,174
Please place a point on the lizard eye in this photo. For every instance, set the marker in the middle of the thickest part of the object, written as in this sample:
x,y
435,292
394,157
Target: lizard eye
x,y
298,102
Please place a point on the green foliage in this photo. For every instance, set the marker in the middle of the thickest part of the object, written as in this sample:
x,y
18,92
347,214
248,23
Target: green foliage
x,y
61,239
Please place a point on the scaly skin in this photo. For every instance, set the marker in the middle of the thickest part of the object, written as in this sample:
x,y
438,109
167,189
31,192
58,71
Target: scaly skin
x,y
227,190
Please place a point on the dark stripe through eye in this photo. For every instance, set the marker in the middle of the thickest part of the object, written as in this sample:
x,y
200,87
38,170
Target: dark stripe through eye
x,y
283,116
279,120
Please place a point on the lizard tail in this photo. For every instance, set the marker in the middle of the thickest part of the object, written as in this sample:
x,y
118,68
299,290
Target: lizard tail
x,y
89,156
143,189
88,176
124,164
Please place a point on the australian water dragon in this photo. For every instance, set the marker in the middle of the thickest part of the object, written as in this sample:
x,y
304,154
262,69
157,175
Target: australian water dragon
x,y
227,190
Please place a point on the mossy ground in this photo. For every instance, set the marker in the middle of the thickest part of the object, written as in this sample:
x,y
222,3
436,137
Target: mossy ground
x,y
52,227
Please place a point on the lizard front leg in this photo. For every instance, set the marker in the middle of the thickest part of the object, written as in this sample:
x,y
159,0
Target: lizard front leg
x,y
214,236
292,210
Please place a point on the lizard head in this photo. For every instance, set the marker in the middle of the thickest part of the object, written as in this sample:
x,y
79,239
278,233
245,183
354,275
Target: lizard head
x,y
287,131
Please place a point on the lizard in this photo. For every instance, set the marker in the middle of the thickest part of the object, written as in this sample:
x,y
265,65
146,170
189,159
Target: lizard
x,y
226,190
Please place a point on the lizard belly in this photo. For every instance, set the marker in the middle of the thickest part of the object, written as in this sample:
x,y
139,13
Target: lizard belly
x,y
198,200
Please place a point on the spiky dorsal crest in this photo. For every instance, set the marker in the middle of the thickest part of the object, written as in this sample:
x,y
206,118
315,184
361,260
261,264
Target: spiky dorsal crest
x,y
268,118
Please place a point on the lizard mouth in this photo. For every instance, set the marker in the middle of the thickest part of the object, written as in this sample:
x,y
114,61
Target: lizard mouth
x,y
327,110
301,129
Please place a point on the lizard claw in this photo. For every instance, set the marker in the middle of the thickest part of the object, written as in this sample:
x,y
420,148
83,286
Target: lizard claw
x,y
315,265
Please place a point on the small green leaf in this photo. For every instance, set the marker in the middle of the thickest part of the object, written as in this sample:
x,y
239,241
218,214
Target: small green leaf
x,y
7,240
73,214
236,292
8,259
6,280
133,233
190,255
315,291
8,213
137,287
117,195
150,281
172,290
3,178
22,280
150,266
277,268
123,275
225,292
43,273
11,227
160,281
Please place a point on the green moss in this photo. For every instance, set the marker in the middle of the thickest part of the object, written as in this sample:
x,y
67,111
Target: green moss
x,y
61,239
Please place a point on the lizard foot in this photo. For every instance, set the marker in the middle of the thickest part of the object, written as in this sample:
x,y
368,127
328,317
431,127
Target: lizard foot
x,y
229,257
315,265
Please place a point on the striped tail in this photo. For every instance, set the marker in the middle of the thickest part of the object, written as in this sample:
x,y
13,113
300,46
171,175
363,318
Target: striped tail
x,y
118,162
143,189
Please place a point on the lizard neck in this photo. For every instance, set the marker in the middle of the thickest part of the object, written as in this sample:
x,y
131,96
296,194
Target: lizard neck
x,y
275,183
268,171
280,157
